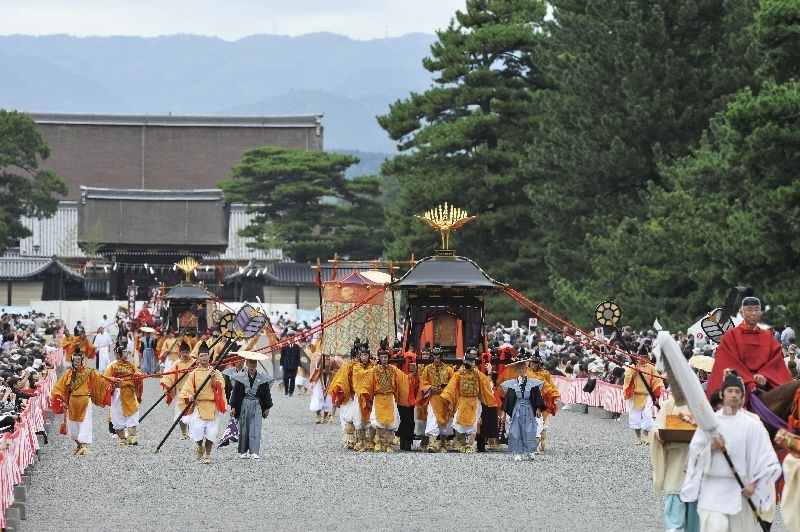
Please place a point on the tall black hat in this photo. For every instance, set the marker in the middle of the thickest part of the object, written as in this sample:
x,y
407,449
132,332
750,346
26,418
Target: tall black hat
x,y
732,380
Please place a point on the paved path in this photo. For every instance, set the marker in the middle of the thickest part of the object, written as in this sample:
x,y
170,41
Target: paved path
x,y
592,478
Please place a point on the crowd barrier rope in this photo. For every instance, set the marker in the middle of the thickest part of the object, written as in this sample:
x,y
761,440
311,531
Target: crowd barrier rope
x,y
605,395
22,442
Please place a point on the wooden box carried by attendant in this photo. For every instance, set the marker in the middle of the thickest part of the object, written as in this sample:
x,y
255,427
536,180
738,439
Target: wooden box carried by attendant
x,y
677,429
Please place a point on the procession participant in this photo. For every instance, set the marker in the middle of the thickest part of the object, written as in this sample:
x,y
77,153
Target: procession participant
x,y
290,361
321,370
170,350
379,395
640,404
228,373
172,383
669,469
102,345
406,402
721,503
523,403
144,315
550,394
76,343
125,398
489,426
250,403
432,381
464,393
191,338
341,393
361,414
210,403
421,409
752,351
790,503
72,393
148,350
209,341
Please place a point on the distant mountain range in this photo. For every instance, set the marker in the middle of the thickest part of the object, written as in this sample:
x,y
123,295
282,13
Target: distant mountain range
x,y
349,81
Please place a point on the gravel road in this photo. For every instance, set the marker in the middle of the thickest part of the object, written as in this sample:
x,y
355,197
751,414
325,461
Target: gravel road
x,y
592,478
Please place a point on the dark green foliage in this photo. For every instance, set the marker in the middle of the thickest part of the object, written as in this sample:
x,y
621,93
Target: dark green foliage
x,y
25,190
636,83
305,205
461,140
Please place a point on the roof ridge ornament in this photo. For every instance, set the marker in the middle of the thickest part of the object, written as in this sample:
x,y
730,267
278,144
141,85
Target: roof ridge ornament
x,y
445,219
188,265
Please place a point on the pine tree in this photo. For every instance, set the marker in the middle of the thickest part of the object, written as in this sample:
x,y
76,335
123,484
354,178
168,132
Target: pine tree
x,y
305,206
636,83
461,140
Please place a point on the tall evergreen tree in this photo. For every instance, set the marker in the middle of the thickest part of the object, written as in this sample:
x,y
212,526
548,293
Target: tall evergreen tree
x,y
461,140
25,189
305,206
636,83
729,214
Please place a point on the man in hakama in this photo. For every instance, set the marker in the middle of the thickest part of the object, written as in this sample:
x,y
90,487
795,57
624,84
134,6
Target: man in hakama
x,y
250,403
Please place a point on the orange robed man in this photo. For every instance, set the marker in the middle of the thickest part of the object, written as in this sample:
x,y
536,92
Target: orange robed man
x,y
432,381
72,393
80,343
465,393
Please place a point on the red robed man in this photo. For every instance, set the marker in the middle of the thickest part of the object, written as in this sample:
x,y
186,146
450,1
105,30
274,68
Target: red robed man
x,y
145,316
752,351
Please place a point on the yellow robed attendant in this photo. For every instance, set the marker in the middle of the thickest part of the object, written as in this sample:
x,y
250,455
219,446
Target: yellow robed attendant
x,y
169,351
360,372
634,387
78,343
210,402
433,379
172,382
72,393
340,388
465,392
421,407
126,397
130,389
379,392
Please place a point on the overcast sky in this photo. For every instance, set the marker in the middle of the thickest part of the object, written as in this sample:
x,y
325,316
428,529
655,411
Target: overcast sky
x,y
228,19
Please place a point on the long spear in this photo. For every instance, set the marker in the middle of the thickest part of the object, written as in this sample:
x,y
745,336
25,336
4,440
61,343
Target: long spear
x,y
174,384
225,350
608,314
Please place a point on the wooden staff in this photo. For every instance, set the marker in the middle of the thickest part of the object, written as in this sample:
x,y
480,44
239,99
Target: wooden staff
x,y
163,395
225,350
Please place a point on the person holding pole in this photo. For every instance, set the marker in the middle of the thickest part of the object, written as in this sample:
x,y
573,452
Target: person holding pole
x,y
722,503
209,403
172,381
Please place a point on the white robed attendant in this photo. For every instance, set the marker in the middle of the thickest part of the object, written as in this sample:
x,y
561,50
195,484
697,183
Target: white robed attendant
x,y
721,503
102,343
